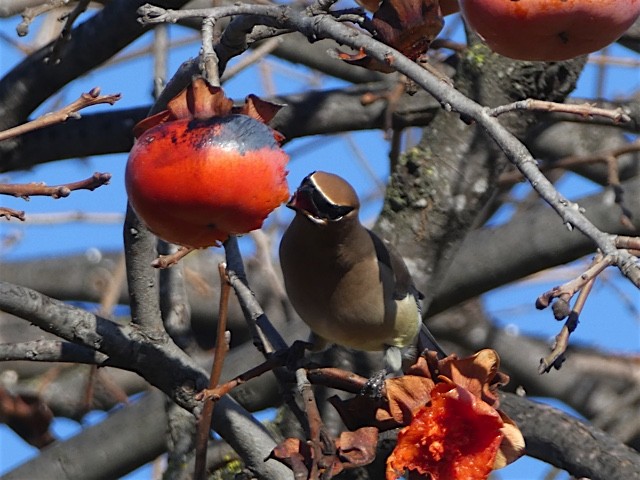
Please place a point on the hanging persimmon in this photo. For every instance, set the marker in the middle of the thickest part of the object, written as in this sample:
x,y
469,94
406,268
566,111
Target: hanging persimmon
x,y
549,30
203,169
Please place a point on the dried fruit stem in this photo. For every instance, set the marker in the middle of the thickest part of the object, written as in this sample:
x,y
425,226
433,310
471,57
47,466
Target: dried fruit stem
x,y
222,347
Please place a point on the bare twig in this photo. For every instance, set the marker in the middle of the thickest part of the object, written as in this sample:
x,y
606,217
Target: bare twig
x,y
337,378
10,213
566,291
630,243
392,97
159,49
585,110
32,189
59,116
208,57
166,261
222,347
265,336
556,357
216,393
65,35
254,56
314,422
30,14
74,216
111,292
607,156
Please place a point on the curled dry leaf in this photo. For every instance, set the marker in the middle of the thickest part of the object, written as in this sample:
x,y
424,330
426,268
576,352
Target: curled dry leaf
x,y
478,374
357,449
457,436
352,449
512,446
295,454
202,101
404,396
409,26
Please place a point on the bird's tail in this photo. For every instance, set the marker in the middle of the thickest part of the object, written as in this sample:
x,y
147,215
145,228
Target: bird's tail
x,y
426,341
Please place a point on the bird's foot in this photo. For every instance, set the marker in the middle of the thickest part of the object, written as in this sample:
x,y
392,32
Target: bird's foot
x,y
374,388
295,354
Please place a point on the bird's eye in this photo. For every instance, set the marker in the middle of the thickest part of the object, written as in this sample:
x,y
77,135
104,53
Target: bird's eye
x,y
328,210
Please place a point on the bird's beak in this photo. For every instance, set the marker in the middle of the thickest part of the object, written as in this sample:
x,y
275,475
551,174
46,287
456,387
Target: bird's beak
x,y
302,201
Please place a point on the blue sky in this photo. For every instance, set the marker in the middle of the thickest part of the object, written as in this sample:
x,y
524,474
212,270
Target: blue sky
x,y
510,305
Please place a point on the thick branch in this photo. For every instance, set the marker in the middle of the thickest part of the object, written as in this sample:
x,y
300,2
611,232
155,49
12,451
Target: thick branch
x,y
129,438
158,359
532,241
570,444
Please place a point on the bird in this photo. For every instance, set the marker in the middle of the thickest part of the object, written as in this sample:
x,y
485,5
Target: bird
x,y
347,284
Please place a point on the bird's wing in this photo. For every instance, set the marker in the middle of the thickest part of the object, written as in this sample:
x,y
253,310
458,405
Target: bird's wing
x,y
389,256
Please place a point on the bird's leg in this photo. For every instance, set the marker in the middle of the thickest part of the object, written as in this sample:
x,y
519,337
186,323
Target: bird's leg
x,y
374,388
294,355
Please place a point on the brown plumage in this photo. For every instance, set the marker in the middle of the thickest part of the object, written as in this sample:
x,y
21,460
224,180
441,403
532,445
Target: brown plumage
x,y
349,286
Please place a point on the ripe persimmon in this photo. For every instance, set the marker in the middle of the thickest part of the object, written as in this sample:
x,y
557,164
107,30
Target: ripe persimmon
x,y
203,169
549,30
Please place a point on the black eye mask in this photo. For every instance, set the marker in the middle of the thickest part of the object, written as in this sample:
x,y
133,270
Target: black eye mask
x,y
327,210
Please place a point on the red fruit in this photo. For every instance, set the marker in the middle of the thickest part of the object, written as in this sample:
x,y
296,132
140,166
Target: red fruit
x,y
195,181
549,30
447,7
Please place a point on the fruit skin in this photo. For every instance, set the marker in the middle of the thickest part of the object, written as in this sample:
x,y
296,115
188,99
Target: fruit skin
x,y
549,30
448,7
193,182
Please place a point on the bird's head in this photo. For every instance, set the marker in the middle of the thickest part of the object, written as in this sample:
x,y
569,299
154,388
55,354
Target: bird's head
x,y
325,198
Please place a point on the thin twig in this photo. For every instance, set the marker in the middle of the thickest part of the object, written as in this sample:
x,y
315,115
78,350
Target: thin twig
x,y
313,420
254,56
10,213
79,216
557,356
222,347
40,189
111,292
585,110
30,14
208,57
265,336
160,49
59,116
570,288
166,261
65,35
512,177
214,394
630,243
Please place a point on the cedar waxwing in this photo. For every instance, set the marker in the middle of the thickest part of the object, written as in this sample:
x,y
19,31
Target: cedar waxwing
x,y
349,286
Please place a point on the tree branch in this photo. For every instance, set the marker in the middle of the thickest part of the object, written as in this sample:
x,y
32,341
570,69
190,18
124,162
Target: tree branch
x,y
568,443
50,351
527,244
